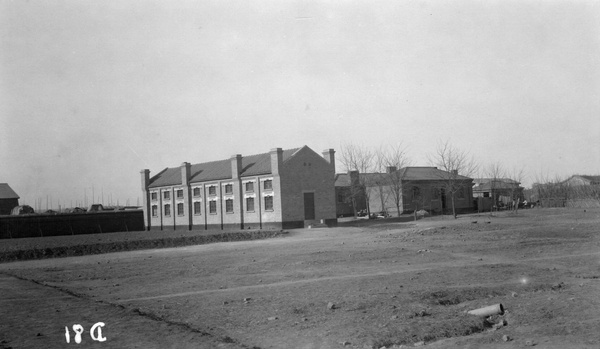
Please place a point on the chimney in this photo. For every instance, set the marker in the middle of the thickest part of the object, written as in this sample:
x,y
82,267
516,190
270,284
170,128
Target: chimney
x,y
276,160
353,177
391,169
145,179
186,171
329,155
236,166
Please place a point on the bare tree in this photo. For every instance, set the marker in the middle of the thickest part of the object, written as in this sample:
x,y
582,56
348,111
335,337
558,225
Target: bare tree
x,y
379,180
455,164
361,159
516,191
495,172
395,160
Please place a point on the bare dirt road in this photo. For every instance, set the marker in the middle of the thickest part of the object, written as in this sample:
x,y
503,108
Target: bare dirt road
x,y
379,283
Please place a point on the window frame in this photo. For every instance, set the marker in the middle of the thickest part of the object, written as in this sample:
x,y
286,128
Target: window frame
x,y
248,200
180,209
212,204
229,205
229,188
270,187
197,208
179,193
167,210
251,185
197,192
269,203
154,210
167,195
212,190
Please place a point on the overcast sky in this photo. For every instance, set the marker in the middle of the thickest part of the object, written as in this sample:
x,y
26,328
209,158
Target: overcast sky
x,y
92,92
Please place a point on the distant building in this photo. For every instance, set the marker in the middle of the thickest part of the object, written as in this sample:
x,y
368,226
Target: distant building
x,y
8,199
576,180
417,188
502,190
280,189
347,201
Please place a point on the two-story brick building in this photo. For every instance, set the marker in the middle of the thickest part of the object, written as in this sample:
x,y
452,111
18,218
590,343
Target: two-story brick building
x,y
280,189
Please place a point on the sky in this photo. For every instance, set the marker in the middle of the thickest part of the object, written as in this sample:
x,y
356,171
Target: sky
x,y
92,92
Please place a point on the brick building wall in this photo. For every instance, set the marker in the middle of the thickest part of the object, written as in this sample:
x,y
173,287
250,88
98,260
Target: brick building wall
x,y
270,200
6,205
307,172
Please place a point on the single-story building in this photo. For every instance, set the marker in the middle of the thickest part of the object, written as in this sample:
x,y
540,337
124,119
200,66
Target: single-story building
x,y
577,180
411,189
496,192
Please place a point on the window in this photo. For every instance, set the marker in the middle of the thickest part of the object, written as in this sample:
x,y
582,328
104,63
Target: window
x,y
416,192
461,193
268,184
250,204
196,191
486,194
340,197
250,186
180,193
166,195
167,210
212,190
154,196
228,188
197,208
154,211
229,205
180,209
268,203
212,207
435,193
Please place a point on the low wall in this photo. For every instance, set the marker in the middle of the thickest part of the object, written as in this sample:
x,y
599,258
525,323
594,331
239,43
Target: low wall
x,y
583,203
36,225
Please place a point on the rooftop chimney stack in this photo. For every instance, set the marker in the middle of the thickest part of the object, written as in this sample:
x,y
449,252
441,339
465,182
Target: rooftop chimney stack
x,y
329,155
186,171
276,160
145,179
236,166
354,177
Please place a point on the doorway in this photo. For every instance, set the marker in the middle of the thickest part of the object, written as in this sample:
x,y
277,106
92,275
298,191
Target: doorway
x,y
309,206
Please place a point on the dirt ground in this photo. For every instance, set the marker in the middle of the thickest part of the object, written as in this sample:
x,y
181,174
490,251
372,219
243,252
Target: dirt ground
x,y
377,283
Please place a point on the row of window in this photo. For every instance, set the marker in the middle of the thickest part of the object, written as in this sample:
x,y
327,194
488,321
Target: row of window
x,y
212,190
212,207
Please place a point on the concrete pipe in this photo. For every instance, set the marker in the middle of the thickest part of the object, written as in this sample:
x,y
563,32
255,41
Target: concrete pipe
x,y
488,311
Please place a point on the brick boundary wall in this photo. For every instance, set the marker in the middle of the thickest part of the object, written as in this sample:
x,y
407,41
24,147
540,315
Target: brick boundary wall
x,y
40,225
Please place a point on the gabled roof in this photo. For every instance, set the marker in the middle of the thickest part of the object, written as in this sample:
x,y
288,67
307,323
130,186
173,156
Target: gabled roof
x,y
497,185
427,174
252,165
406,173
488,180
586,178
342,180
6,192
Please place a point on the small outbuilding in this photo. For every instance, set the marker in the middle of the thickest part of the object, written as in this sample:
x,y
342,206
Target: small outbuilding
x,y
8,199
